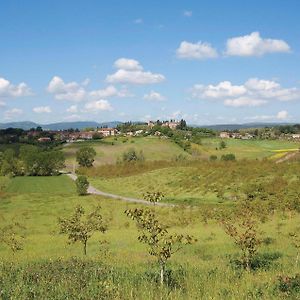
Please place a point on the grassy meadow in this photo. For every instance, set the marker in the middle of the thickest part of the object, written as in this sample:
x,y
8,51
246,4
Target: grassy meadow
x,y
117,265
121,268
110,149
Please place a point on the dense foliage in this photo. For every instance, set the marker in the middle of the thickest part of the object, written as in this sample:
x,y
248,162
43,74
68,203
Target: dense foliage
x,y
85,156
31,160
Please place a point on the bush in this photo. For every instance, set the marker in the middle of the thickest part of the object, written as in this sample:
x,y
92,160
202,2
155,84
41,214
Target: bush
x,y
289,285
213,157
82,185
86,156
132,156
228,157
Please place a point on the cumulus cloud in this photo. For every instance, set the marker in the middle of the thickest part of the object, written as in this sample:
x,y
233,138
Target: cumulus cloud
x,y
130,71
42,109
66,91
76,92
72,109
154,96
7,89
281,115
127,64
12,113
99,105
200,50
254,92
110,91
254,45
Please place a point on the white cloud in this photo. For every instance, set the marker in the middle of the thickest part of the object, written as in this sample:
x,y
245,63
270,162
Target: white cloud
x,y
72,109
154,96
73,117
7,89
42,109
2,104
12,113
110,91
244,101
254,92
200,50
187,13
66,91
223,89
254,45
99,105
131,71
127,64
281,115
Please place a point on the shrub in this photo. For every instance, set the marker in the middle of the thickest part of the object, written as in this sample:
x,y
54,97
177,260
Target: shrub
x,y
82,185
228,157
213,157
132,156
222,145
86,156
289,285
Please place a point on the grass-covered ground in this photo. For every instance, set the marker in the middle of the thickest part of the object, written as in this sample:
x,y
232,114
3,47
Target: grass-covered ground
x,y
110,149
251,149
155,148
122,269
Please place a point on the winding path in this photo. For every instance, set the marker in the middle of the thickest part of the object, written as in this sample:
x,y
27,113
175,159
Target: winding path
x,y
94,191
288,156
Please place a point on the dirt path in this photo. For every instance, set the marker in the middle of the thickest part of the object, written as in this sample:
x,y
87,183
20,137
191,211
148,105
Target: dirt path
x,y
287,157
94,191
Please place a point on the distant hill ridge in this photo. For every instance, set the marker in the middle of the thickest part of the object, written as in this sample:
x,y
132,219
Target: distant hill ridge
x,y
26,125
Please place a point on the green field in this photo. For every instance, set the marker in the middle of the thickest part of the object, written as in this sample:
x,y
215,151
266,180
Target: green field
x,y
251,149
110,149
125,263
154,148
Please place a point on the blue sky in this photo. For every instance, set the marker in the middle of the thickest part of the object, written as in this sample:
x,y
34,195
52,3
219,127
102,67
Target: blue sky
x,y
206,61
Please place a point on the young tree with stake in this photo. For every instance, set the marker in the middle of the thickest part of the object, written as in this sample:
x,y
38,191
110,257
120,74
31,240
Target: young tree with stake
x,y
161,244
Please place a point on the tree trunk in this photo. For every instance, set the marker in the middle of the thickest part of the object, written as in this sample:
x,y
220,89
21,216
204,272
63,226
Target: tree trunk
x,y
162,272
84,247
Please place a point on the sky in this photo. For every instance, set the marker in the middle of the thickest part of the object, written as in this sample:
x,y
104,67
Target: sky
x,y
209,62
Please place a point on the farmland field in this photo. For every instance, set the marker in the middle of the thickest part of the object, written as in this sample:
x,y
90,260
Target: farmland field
x,y
154,148
110,149
200,270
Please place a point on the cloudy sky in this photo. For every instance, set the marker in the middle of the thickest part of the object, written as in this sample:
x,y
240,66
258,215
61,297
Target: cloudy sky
x,y
206,61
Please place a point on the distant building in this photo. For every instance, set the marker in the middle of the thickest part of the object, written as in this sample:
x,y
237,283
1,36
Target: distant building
x,y
44,139
296,136
107,131
171,124
224,135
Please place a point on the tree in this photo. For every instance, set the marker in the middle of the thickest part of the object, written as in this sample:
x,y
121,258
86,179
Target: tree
x,y
86,156
81,227
153,197
82,185
222,145
155,235
245,236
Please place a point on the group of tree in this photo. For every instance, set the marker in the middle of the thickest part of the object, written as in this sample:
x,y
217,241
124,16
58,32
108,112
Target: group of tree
x,y
31,160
